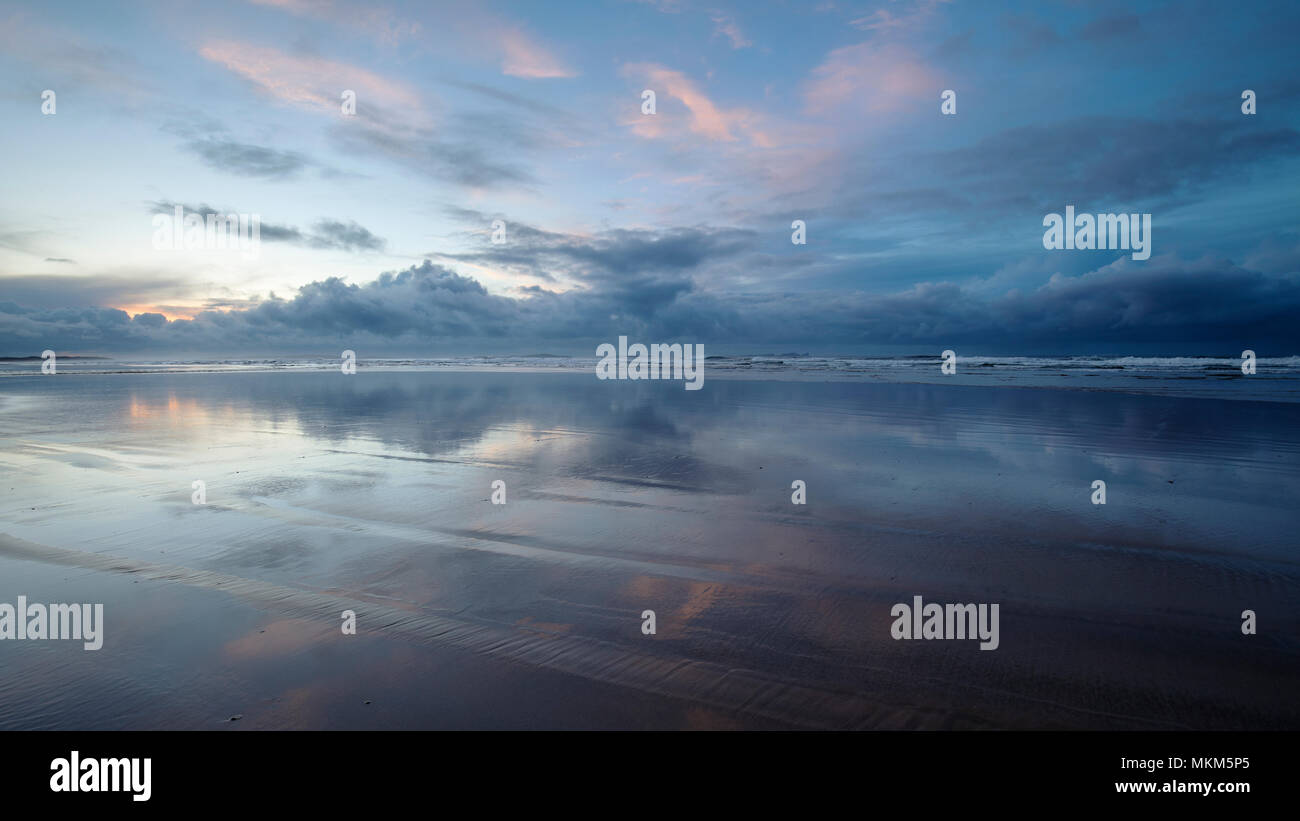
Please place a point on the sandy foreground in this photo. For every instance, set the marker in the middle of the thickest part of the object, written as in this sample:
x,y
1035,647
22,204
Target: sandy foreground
x,y
372,493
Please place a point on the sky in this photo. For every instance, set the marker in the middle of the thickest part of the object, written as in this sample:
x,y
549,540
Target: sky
x,y
924,230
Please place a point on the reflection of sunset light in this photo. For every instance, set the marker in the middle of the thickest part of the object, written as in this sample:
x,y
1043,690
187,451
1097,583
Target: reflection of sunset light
x,y
504,444
188,410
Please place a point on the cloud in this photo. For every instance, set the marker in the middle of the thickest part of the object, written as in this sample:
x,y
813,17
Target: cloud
x,y
1207,302
726,26
308,81
523,57
1095,163
248,160
869,77
879,20
209,140
1115,159
518,100
343,235
913,14
474,163
472,149
469,147
704,117
346,236
654,265
1276,254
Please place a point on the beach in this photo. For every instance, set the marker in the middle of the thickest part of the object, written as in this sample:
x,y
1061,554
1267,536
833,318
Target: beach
x,y
373,493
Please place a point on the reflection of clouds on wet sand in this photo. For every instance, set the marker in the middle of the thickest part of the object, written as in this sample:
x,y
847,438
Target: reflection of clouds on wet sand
x,y
374,490
277,638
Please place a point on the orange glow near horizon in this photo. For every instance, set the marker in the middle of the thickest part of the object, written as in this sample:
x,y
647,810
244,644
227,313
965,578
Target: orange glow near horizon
x,y
132,310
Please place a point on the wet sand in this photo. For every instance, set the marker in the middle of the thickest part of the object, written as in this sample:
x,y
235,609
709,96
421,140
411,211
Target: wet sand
x,y
372,493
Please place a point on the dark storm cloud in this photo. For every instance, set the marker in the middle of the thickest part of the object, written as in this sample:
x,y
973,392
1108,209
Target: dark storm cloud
x,y
1166,301
423,300
651,268
619,252
1169,300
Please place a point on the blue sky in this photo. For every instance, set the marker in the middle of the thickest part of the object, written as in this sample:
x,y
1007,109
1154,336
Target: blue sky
x,y
924,231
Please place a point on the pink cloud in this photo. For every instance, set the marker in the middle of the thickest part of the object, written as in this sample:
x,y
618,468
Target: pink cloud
x,y
522,57
706,118
869,77
308,82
